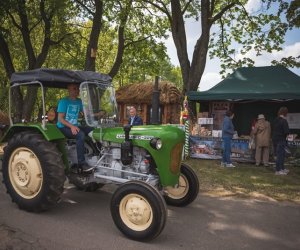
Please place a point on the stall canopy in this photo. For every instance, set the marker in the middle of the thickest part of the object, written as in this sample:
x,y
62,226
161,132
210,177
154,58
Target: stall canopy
x,y
254,83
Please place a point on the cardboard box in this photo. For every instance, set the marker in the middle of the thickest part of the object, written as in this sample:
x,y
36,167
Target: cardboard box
x,y
205,121
202,115
217,133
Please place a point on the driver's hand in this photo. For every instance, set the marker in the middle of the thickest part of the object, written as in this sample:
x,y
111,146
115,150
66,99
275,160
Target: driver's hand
x,y
74,130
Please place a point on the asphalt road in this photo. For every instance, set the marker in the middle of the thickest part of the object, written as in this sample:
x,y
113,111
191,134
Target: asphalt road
x,y
83,221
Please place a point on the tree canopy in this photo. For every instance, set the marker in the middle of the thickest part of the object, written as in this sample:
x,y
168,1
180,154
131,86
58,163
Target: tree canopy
x,y
124,38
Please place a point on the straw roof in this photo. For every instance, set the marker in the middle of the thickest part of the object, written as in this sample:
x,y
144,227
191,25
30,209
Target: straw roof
x,y
142,93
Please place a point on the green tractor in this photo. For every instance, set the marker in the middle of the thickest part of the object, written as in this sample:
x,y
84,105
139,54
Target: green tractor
x,y
146,161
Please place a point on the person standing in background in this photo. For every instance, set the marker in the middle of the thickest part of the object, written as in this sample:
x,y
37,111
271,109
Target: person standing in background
x,y
280,132
262,134
134,119
227,134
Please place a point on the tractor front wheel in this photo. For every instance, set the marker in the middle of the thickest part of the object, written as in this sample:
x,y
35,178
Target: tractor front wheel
x,y
187,189
138,210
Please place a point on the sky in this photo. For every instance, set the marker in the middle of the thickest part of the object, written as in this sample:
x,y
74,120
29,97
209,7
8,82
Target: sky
x,y
211,74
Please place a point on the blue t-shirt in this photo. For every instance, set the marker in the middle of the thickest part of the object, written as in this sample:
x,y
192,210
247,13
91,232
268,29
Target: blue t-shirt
x,y
71,108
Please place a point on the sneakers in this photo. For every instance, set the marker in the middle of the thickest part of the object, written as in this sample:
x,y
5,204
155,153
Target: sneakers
x,y
223,164
85,168
286,170
230,165
281,172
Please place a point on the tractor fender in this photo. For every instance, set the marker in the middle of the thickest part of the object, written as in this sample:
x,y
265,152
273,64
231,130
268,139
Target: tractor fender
x,y
50,133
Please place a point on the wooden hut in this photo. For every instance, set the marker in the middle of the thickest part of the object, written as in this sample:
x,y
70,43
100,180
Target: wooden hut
x,y
139,95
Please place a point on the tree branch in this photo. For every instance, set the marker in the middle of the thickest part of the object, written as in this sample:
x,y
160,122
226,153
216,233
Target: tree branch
x,y
162,8
14,21
186,6
220,14
84,7
26,33
223,44
52,42
137,41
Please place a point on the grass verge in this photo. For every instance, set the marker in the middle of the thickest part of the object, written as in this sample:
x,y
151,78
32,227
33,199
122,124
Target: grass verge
x,y
247,180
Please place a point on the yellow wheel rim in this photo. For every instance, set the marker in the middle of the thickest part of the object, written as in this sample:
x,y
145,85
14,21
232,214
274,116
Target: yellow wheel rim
x,y
25,173
136,212
181,190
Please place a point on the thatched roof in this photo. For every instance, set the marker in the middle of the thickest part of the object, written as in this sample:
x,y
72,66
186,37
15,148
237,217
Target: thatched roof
x,y
142,93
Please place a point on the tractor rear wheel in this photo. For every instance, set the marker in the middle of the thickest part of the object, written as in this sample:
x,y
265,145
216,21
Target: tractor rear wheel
x,y
33,171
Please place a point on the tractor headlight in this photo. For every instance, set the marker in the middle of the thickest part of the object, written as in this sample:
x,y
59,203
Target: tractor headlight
x,y
156,143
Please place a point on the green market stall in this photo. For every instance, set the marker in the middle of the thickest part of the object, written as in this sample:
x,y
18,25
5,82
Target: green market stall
x,y
249,92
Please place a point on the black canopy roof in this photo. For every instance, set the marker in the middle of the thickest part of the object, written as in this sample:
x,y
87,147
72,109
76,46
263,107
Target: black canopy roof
x,y
59,78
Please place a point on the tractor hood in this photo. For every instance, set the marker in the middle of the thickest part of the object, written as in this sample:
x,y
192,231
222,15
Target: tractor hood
x,y
142,135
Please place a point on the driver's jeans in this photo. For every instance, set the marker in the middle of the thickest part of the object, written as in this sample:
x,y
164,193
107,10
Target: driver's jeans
x,y
79,140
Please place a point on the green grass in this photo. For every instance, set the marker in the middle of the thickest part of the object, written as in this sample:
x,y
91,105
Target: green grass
x,y
247,180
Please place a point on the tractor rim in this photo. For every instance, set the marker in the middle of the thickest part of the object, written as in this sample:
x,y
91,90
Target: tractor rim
x,y
181,190
25,173
136,212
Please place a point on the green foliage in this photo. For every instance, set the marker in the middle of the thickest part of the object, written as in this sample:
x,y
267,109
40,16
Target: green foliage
x,y
240,32
144,57
293,14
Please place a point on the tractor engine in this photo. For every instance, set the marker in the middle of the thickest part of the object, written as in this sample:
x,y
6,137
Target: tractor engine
x,y
110,163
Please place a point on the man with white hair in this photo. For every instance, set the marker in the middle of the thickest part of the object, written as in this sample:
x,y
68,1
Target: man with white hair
x,y
134,119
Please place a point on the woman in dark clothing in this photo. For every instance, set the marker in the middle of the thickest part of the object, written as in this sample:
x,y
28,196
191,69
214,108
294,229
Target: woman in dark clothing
x,y
280,132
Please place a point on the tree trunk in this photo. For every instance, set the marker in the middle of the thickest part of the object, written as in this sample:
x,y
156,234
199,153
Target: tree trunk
x,y
29,102
6,57
9,69
201,48
119,58
24,28
91,50
179,37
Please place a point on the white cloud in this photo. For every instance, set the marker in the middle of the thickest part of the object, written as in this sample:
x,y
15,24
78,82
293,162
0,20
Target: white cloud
x,y
209,80
266,58
253,5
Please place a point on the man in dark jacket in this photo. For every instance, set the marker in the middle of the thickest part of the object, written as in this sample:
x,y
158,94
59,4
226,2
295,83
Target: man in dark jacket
x,y
280,132
134,119
227,134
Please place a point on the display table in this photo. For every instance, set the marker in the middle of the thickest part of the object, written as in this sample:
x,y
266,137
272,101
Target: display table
x,y
211,148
